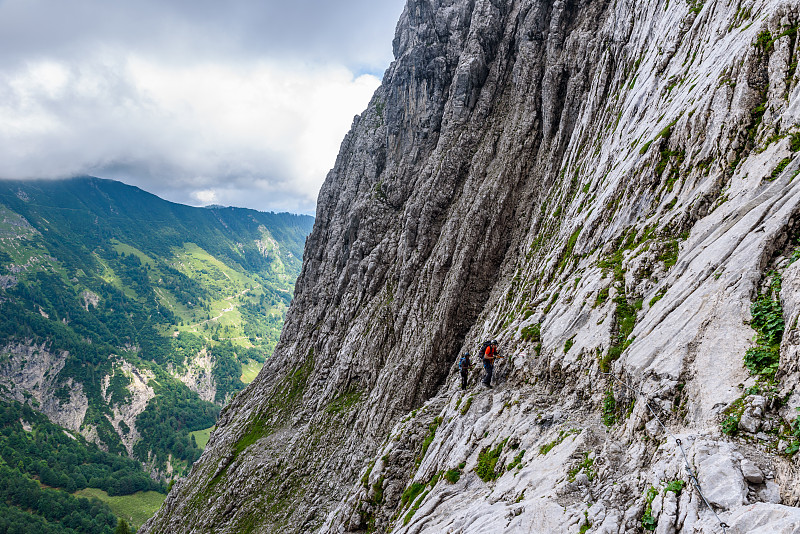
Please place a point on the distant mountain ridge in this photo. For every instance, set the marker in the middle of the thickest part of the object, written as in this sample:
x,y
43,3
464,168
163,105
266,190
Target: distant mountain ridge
x,y
118,202
127,318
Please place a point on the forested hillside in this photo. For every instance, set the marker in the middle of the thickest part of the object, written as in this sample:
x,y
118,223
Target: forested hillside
x,y
127,319
35,450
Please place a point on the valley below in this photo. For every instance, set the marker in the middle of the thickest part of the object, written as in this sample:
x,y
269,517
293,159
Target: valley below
x,y
128,322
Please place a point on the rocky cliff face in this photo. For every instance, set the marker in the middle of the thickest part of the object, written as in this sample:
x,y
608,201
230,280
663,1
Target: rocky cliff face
x,y
199,377
138,394
608,189
29,373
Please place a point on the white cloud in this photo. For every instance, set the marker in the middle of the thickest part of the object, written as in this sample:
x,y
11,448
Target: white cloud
x,y
260,133
248,99
207,196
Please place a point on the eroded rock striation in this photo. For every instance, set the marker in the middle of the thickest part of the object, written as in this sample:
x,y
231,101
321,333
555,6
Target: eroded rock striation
x,y
608,189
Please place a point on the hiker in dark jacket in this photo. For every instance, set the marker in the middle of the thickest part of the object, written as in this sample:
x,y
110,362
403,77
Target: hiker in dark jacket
x,y
489,356
464,365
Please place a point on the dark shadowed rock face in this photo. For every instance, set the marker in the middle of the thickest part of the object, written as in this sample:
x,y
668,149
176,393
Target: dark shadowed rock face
x,y
601,185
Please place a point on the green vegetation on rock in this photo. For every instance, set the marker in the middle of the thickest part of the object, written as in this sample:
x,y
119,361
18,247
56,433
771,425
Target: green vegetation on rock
x,y
452,475
466,406
344,402
625,312
586,466
676,486
532,333
562,435
648,521
779,168
516,462
487,462
609,408
768,323
429,438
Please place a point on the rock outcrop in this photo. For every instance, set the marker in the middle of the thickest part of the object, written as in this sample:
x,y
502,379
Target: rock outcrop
x,y
29,373
125,411
604,187
198,375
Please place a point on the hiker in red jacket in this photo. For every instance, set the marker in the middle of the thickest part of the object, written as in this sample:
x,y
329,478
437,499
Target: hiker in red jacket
x,y
489,356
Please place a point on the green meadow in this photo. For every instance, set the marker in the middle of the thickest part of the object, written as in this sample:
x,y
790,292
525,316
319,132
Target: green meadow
x,y
135,509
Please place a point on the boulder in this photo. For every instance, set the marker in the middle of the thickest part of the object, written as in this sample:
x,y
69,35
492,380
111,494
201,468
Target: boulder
x,y
764,518
753,413
751,472
721,482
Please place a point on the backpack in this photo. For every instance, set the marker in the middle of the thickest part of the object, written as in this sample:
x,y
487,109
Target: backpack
x,y
485,345
462,363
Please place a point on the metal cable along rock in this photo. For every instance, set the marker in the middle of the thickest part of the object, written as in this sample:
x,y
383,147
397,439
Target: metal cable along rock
x,y
692,475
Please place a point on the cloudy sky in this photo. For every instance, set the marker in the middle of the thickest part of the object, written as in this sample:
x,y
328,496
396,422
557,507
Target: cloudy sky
x,y
241,103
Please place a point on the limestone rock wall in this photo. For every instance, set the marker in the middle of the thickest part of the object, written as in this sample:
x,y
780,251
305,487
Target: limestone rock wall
x,y
198,376
605,187
139,394
29,373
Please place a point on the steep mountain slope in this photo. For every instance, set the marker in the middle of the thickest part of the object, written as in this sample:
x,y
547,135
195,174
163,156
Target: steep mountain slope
x,y
126,318
605,187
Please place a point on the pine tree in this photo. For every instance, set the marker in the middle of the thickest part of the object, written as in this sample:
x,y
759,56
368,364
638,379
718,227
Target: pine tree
x,y
123,528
